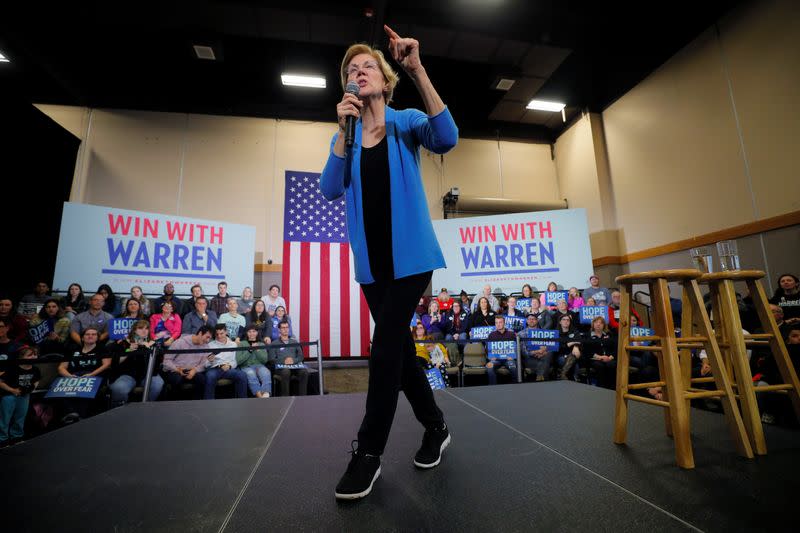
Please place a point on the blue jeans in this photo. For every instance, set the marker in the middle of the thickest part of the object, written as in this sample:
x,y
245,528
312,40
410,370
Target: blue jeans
x,y
259,379
511,364
12,416
234,374
124,384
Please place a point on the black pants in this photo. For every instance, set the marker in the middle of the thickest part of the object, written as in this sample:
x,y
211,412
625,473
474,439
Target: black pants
x,y
392,362
286,379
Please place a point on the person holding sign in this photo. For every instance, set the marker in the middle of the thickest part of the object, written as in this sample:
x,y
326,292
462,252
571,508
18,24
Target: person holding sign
x,y
601,346
431,355
518,321
165,326
551,287
16,384
483,315
88,359
575,300
49,329
538,359
286,358
500,333
133,354
386,211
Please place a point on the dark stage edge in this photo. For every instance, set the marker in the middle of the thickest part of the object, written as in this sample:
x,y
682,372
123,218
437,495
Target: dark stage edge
x,y
526,457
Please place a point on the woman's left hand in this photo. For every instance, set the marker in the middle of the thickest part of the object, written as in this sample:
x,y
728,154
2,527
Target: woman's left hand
x,y
405,51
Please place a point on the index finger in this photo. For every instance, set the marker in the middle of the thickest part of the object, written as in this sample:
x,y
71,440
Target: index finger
x,y
390,32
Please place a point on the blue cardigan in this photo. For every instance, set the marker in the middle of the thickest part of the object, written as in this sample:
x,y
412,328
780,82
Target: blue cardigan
x,y
414,245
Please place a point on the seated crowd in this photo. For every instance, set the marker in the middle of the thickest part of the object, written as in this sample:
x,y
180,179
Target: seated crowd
x,y
74,329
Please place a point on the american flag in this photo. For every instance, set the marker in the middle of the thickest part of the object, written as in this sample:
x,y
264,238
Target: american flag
x,y
321,294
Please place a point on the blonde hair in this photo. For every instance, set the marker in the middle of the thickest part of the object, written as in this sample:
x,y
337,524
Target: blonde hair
x,y
389,75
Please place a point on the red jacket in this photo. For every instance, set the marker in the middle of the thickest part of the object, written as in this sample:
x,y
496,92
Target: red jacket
x,y
613,323
173,325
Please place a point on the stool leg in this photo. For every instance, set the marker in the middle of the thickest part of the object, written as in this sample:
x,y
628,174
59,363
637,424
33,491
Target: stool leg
x,y
776,344
678,413
744,379
729,407
623,362
687,330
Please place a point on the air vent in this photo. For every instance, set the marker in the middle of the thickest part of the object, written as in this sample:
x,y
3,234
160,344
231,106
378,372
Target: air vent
x,y
504,84
204,52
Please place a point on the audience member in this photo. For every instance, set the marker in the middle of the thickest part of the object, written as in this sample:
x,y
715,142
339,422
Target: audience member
x,y
88,358
430,354
511,310
74,302
543,315
569,348
613,311
457,318
561,310
111,304
601,348
17,324
132,358
58,325
527,291
551,287
219,303
16,384
168,296
189,305
783,325
444,300
222,365
535,357
8,346
201,316
601,295
30,304
575,300
166,326
273,299
138,295
482,316
133,309
787,297
435,322
487,293
180,368
245,303
253,363
289,355
464,298
500,333
94,317
233,320
259,318
280,316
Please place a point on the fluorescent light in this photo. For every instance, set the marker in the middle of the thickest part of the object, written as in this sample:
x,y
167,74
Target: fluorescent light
x,y
204,52
542,105
4,59
298,80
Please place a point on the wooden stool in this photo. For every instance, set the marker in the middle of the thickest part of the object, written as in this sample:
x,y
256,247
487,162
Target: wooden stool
x,y
666,345
734,343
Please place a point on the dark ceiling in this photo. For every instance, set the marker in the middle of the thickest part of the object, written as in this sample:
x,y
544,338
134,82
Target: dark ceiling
x,y
138,55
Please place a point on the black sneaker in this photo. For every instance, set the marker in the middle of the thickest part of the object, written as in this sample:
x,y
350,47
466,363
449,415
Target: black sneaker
x,y
360,475
433,444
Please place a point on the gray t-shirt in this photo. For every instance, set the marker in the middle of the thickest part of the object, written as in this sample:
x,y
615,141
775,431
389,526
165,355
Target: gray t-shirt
x,y
601,295
87,319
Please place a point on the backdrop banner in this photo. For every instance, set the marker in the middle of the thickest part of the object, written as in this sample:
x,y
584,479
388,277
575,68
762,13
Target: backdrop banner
x,y
507,251
124,248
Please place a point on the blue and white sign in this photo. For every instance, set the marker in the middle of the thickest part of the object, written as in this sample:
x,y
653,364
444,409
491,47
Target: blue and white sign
x,y
524,304
124,248
507,251
75,387
501,349
541,337
589,312
551,298
638,331
435,378
119,328
480,332
40,331
291,367
514,323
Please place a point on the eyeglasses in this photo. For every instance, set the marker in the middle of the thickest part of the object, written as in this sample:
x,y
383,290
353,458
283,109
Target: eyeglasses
x,y
368,66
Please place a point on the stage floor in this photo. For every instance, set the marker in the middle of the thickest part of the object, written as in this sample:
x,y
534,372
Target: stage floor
x,y
525,457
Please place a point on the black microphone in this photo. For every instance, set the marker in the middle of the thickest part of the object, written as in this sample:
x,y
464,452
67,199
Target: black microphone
x,y
350,121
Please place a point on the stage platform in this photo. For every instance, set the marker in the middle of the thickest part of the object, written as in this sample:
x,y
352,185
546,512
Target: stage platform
x,y
527,457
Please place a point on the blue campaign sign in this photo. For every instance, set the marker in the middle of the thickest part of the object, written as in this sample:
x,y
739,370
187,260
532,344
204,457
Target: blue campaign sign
x,y
75,387
414,321
638,331
291,367
515,322
552,298
501,349
435,378
480,332
589,312
524,304
541,337
40,331
120,327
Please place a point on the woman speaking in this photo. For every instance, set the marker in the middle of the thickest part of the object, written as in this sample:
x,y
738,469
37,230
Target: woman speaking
x,y
394,247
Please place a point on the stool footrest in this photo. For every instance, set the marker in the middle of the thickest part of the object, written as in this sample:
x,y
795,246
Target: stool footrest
x,y
637,386
696,338
644,399
758,336
643,348
704,394
773,388
756,343
647,338
684,345
702,380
